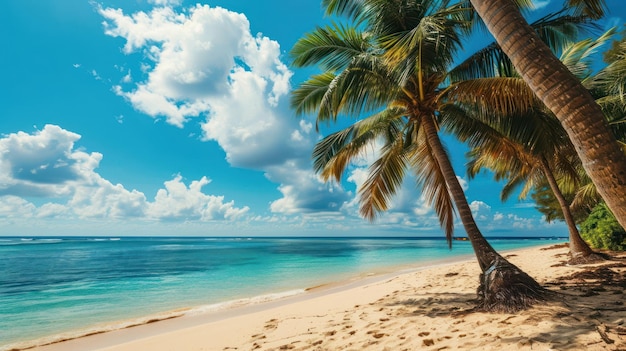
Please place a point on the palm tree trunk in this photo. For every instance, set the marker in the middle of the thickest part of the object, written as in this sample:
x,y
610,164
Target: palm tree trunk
x,y
577,246
503,286
563,94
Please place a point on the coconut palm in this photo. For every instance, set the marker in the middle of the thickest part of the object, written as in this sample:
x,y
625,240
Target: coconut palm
x,y
513,161
608,86
530,148
564,95
389,65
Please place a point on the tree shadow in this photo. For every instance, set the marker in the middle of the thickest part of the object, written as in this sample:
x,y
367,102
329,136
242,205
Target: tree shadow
x,y
593,301
587,309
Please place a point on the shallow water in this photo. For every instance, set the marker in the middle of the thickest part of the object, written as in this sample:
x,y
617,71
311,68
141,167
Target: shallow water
x,y
50,286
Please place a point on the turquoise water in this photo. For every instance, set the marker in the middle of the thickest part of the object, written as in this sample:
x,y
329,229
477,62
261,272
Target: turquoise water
x,y
51,286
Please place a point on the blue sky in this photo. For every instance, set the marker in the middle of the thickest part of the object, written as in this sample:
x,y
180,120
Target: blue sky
x,y
171,117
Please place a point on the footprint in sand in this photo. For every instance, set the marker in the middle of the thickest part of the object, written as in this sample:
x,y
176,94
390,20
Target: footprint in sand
x,y
376,334
330,333
256,337
271,324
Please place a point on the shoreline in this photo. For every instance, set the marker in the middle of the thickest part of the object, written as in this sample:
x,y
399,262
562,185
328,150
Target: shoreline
x,y
195,315
389,310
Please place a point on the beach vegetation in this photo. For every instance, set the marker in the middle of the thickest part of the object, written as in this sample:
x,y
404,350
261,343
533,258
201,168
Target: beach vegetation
x,y
548,205
602,230
387,70
564,94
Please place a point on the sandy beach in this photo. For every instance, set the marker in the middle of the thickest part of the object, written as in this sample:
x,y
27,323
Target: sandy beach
x,y
426,309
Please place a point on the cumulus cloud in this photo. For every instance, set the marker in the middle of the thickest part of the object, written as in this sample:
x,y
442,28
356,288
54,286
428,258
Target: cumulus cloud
x,y
304,192
498,216
480,210
179,201
197,57
165,2
47,164
205,63
15,207
43,163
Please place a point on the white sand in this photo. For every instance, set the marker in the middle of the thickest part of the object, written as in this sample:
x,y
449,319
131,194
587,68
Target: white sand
x,y
419,310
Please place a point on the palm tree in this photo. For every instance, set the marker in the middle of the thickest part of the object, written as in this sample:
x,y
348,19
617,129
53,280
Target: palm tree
x,y
608,87
522,164
390,65
528,148
564,95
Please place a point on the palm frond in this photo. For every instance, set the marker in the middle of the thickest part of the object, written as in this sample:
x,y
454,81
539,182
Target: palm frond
x,y
331,47
384,178
512,185
429,42
332,154
352,9
557,30
560,29
577,56
594,9
586,196
489,61
502,95
611,80
309,96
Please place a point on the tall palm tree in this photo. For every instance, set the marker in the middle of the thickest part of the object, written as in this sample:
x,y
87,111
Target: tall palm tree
x,y
389,65
529,148
608,87
564,95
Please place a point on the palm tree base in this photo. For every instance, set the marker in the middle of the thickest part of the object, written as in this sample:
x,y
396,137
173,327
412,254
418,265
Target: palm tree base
x,y
594,257
506,288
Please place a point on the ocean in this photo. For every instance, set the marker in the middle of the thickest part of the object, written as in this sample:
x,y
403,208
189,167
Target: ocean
x,y
52,288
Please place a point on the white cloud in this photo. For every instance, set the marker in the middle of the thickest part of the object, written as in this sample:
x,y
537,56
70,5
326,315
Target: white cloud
x,y
179,201
52,210
46,164
205,62
127,78
43,163
304,192
15,207
480,210
165,2
195,55
521,222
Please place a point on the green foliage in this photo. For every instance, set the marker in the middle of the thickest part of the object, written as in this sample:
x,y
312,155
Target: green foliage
x,y
602,230
612,54
548,205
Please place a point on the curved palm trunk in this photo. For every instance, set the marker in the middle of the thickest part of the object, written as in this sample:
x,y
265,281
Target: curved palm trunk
x,y
503,286
577,246
563,94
